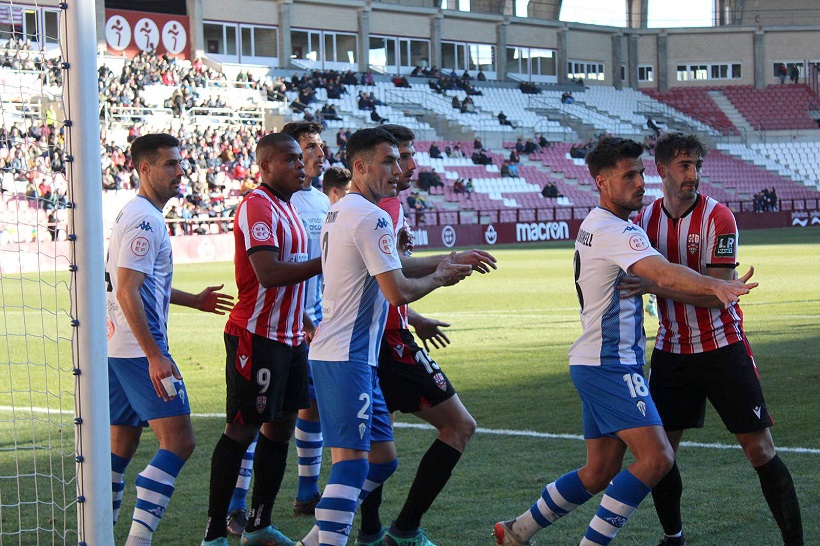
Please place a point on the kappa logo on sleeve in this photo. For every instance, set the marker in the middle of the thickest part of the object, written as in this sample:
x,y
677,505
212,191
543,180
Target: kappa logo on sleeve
x,y
145,226
381,224
725,246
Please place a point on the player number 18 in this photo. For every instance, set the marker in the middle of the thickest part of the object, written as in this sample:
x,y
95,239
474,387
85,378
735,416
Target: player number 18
x,y
637,384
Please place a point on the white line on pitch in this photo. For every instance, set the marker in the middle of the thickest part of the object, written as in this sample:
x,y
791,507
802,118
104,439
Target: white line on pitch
x,y
493,431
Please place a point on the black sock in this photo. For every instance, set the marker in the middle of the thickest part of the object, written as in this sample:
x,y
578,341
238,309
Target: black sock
x,y
371,522
268,470
666,495
434,470
225,464
778,489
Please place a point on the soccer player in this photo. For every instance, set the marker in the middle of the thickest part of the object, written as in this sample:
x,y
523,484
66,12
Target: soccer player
x,y
701,351
606,362
412,382
336,183
266,365
145,384
363,273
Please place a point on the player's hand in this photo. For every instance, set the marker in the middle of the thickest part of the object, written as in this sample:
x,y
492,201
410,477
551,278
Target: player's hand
x,y
211,301
310,330
729,292
405,242
480,260
632,285
159,368
430,330
451,272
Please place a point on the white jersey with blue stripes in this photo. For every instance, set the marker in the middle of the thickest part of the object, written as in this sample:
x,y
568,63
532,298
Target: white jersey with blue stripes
x,y
312,205
358,243
613,332
139,241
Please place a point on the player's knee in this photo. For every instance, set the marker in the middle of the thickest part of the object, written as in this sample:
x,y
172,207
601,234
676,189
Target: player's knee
x,y
759,453
595,478
661,463
184,448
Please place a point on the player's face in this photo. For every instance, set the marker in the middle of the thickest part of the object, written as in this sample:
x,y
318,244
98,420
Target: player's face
x,y
681,176
163,175
381,173
283,169
406,163
312,154
622,186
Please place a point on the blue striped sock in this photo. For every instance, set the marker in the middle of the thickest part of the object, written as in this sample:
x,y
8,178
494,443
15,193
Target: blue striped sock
x,y
155,485
557,500
334,513
621,499
243,481
308,436
118,466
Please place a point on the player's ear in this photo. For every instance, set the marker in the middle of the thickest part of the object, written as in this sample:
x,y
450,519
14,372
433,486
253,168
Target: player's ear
x,y
663,170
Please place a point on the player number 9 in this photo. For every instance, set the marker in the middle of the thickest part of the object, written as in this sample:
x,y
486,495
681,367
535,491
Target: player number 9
x,y
263,379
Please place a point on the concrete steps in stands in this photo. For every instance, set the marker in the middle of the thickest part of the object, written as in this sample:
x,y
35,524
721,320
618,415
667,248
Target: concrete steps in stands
x,y
731,112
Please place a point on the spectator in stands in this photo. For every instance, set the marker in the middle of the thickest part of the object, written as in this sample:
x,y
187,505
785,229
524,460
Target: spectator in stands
x,y
530,147
471,90
425,179
457,152
341,139
515,157
773,200
375,117
456,103
329,112
529,88
519,145
550,190
578,151
468,188
435,152
782,72
477,144
458,185
401,81
649,144
362,101
794,73
567,98
481,76
543,142
481,157
502,119
417,72
53,225
434,85
467,106
650,123
505,169
435,179
368,79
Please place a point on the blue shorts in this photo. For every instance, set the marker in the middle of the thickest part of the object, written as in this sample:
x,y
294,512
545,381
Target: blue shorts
x,y
132,399
351,405
613,398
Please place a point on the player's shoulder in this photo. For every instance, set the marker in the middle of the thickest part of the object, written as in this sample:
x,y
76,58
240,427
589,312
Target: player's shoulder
x,y
139,212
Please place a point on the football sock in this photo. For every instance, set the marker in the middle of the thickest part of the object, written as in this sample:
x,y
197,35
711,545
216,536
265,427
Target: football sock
x,y
621,499
371,522
118,466
243,480
557,500
335,511
778,489
269,468
666,495
435,468
308,436
225,463
155,485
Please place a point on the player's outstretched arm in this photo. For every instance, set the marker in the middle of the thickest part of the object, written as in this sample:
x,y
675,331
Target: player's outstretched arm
x,y
428,329
270,271
479,260
209,300
400,290
687,283
635,286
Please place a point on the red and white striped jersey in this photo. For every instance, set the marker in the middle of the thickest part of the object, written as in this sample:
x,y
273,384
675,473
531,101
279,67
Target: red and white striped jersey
x,y
705,236
264,222
396,316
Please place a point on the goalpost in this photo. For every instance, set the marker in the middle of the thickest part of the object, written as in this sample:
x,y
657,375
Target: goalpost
x,y
55,469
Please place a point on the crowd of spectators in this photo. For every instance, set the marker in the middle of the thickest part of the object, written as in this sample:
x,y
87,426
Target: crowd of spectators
x,y
765,200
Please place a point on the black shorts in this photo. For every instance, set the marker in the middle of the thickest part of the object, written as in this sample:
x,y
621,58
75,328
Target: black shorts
x,y
681,384
266,379
409,378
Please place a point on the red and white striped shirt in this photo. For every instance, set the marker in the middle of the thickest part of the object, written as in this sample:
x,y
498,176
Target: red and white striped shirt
x,y
705,236
264,222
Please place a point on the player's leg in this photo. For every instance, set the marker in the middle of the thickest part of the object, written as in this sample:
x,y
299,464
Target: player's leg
x,y
238,508
125,435
738,398
308,436
285,393
677,385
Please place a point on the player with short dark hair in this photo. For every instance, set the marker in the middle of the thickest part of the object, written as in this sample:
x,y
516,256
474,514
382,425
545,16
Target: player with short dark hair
x,y
336,183
266,364
701,351
606,362
145,384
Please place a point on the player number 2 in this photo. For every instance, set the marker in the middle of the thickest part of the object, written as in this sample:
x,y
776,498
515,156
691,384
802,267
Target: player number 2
x,y
364,397
263,379
637,384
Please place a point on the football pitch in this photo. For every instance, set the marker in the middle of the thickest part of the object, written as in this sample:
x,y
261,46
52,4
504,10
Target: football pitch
x,y
510,333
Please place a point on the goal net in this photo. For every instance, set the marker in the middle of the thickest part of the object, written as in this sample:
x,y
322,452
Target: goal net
x,y
48,312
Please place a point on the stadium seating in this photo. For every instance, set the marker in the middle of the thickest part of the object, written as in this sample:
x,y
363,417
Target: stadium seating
x,y
696,102
775,107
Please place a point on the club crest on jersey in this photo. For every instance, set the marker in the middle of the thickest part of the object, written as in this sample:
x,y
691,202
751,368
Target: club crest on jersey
x,y
386,244
260,231
693,243
261,403
641,407
140,246
440,381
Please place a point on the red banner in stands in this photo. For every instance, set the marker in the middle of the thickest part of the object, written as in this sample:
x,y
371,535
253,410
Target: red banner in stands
x,y
129,32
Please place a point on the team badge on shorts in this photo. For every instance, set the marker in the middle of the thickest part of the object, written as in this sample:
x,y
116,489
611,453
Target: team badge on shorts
x,y
440,381
641,407
693,243
261,403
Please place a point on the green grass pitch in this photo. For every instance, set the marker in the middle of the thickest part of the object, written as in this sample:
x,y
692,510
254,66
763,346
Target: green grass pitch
x,y
510,334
